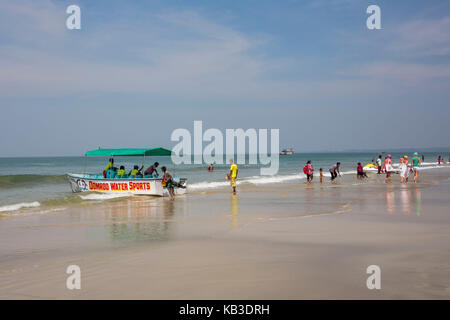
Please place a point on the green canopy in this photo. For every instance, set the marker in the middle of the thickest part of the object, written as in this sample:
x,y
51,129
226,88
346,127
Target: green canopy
x,y
129,152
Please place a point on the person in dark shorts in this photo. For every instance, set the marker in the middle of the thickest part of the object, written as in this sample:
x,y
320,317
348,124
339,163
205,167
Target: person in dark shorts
x,y
168,179
308,170
379,164
360,171
334,171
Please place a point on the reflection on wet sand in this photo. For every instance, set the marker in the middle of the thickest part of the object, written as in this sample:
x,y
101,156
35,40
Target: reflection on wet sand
x,y
408,199
417,201
390,202
139,219
234,211
405,201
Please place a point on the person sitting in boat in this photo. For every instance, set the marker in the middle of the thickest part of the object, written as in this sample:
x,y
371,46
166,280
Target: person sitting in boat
x,y
151,171
110,165
121,173
136,172
111,172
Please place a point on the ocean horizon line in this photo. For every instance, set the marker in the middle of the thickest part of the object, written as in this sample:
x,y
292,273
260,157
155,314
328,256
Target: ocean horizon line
x,y
375,151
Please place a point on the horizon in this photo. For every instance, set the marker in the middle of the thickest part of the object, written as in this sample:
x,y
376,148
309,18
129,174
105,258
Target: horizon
x,y
419,150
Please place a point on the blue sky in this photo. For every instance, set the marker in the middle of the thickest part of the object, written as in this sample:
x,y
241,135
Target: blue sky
x,y
137,70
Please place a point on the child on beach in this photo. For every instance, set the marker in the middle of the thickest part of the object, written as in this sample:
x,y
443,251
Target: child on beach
x,y
321,174
404,169
360,174
308,170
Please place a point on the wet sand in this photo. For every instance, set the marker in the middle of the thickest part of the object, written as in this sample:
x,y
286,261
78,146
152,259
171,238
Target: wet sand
x,y
286,241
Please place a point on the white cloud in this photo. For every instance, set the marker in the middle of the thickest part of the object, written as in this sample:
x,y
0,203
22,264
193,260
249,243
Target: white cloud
x,y
422,37
176,53
407,74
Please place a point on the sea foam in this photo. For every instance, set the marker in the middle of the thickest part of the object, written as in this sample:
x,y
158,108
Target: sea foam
x,y
104,196
18,206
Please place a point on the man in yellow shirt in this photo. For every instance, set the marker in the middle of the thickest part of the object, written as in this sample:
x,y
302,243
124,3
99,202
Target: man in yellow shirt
x,y
233,175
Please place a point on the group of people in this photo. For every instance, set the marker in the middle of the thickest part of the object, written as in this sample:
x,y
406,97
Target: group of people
x,y
308,170
406,167
386,167
112,172
151,172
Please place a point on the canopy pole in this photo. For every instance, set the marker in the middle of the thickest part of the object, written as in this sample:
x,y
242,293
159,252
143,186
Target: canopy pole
x,y
143,166
85,159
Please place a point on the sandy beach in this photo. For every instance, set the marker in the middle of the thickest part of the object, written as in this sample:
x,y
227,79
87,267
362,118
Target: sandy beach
x,y
266,242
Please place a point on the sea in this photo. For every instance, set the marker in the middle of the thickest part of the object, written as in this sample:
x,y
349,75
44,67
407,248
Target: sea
x,y
42,182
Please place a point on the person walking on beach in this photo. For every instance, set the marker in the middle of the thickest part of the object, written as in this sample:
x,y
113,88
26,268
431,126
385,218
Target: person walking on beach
x,y
404,169
233,175
308,170
423,158
334,171
321,174
388,168
379,164
439,160
416,166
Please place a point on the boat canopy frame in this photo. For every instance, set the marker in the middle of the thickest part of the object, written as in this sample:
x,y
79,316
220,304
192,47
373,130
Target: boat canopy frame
x,y
127,152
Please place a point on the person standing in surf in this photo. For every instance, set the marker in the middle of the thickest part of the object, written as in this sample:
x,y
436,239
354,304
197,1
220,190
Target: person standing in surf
x,y
379,164
334,171
308,170
404,169
388,168
416,166
233,175
168,180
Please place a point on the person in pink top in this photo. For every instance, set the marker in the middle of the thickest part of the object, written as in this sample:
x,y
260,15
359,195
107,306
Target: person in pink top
x,y
388,168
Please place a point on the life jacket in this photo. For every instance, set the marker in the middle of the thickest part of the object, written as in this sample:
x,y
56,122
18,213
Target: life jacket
x,y
134,172
307,169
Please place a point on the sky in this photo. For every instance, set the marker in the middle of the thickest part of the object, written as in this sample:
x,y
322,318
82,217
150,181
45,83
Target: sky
x,y
137,70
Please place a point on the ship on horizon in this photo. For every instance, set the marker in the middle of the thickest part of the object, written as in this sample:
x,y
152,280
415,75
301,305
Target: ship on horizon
x,y
287,151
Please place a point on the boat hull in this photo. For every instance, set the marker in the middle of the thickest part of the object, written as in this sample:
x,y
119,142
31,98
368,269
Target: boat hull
x,y
138,186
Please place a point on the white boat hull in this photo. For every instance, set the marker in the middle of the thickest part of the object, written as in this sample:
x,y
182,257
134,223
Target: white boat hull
x,y
138,186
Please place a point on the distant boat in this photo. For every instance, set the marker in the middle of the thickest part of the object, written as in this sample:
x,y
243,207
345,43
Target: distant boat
x,y
287,151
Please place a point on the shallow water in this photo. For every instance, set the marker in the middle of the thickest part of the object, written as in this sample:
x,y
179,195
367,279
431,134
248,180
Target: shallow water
x,y
27,183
